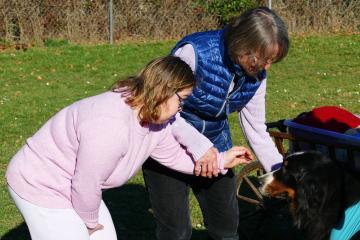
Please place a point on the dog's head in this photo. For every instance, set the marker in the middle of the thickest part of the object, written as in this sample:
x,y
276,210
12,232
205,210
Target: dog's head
x,y
313,184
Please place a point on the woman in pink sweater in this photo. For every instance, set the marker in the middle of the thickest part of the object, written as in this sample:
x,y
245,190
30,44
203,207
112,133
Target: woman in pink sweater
x,y
56,179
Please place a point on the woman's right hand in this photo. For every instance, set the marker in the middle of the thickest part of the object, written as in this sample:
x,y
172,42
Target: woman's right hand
x,y
98,227
237,155
207,165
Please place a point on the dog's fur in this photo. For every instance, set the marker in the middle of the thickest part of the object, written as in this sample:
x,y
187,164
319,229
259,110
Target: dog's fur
x,y
318,188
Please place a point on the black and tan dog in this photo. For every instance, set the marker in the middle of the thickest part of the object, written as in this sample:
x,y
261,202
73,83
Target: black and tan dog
x,y
318,188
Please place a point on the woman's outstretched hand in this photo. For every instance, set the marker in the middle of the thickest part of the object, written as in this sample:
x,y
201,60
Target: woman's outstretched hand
x,y
237,155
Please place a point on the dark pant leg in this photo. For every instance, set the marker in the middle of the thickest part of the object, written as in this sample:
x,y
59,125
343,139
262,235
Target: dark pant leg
x,y
219,205
168,191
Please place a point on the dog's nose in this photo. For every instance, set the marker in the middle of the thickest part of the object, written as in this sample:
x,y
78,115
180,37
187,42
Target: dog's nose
x,y
264,180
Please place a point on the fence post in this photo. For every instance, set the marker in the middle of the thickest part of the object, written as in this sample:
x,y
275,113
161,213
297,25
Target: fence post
x,y
269,4
111,27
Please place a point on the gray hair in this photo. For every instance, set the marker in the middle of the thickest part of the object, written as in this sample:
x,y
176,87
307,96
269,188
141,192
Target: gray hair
x,y
259,29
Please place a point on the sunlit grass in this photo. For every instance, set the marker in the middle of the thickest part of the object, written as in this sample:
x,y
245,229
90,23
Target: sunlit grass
x,y
320,70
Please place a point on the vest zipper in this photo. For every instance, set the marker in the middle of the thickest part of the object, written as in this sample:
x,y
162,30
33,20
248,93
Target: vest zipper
x,y
236,90
227,97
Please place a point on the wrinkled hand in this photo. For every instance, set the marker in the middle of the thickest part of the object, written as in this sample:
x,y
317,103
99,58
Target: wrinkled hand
x,y
98,227
237,155
207,166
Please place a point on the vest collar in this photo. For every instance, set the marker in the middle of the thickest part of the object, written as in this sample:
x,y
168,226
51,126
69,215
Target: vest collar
x,y
233,67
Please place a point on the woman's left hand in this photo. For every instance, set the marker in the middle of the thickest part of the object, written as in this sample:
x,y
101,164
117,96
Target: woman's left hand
x,y
237,155
98,227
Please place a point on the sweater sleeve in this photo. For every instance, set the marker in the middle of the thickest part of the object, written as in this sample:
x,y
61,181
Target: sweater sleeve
x,y
194,142
252,120
172,155
187,54
99,151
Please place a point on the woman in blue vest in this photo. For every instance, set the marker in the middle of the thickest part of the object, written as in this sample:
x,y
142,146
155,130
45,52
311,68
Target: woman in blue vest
x,y
230,68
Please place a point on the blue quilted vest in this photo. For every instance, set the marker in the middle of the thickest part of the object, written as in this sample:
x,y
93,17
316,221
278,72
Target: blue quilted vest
x,y
211,102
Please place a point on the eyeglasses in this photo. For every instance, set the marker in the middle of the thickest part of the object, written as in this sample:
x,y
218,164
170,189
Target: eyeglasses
x,y
181,100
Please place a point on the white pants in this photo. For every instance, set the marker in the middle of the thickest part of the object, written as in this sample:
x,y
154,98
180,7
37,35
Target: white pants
x,y
60,224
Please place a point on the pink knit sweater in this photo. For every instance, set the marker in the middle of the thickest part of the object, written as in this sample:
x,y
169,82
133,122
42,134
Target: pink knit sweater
x,y
95,144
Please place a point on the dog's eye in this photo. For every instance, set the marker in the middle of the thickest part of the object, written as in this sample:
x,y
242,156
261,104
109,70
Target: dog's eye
x,y
288,178
284,171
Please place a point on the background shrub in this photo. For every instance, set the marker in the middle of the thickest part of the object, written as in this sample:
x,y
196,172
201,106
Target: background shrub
x,y
225,10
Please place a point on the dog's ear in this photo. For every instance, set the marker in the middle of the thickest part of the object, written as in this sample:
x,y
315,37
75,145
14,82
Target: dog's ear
x,y
310,198
318,202
310,195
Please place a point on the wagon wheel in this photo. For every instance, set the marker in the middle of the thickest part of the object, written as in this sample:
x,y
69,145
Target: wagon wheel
x,y
253,169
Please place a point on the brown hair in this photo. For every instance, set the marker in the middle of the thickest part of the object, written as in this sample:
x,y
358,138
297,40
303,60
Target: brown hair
x,y
157,82
259,29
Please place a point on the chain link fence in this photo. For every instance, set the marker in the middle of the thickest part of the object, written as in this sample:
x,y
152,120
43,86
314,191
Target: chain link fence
x,y
34,21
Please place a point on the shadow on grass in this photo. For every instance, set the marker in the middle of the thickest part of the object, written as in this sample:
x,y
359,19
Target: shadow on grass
x,y
272,221
266,223
129,206
21,232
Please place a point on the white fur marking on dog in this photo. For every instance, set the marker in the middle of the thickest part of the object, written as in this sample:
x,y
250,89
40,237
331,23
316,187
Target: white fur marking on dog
x,y
295,154
266,179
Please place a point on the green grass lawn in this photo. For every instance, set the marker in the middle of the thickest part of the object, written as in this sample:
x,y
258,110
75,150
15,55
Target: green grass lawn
x,y
35,84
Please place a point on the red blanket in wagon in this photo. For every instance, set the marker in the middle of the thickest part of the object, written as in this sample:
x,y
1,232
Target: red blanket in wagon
x,y
331,118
